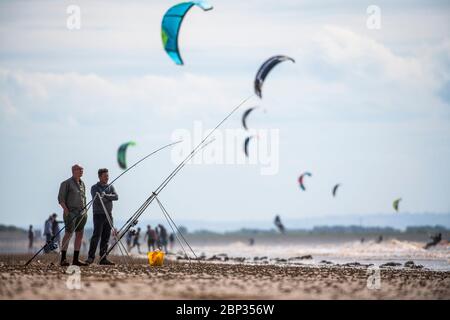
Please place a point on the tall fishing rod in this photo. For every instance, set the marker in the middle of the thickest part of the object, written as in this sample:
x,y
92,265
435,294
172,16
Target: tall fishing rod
x,y
170,177
84,211
133,220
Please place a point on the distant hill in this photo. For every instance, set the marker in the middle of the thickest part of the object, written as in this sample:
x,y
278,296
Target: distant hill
x,y
338,230
400,221
4,228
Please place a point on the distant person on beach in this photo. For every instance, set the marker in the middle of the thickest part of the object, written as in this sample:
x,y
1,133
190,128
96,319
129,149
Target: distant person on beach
x,y
162,237
102,226
362,240
48,234
380,239
72,199
279,224
434,240
136,242
151,237
171,241
251,241
129,239
30,238
55,229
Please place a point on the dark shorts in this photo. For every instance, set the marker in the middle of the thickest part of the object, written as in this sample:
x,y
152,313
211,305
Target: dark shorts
x,y
75,221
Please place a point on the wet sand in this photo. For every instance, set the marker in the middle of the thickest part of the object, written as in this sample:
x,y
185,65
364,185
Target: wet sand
x,y
43,279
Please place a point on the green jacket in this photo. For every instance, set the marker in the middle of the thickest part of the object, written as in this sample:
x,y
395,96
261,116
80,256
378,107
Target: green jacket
x,y
73,194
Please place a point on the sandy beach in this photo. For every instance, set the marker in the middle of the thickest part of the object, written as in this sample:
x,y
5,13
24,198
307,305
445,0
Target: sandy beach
x,y
214,280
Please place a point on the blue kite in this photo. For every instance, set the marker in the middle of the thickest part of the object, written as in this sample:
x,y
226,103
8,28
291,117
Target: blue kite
x,y
171,24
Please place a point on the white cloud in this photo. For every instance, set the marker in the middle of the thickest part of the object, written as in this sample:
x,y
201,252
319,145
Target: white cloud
x,y
342,46
67,98
366,77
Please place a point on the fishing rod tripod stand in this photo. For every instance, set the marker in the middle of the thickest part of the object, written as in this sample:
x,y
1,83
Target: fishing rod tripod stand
x,y
170,221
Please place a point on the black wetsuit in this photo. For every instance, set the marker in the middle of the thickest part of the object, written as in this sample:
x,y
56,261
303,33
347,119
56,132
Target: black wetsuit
x,y
434,241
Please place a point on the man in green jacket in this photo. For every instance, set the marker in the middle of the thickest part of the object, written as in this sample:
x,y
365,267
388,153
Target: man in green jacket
x,y
72,198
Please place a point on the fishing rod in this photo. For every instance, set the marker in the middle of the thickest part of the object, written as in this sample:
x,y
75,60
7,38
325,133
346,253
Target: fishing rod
x,y
111,224
84,211
133,220
171,222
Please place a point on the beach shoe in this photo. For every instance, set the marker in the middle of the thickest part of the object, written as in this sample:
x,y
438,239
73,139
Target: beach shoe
x,y
64,263
79,263
106,262
89,261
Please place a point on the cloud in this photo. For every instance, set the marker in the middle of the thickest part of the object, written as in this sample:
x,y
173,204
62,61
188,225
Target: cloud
x,y
345,71
46,104
357,74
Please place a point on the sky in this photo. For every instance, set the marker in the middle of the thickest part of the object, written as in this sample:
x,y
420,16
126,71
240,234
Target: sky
x,y
367,108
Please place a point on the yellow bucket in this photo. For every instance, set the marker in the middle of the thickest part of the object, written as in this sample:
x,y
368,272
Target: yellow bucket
x,y
155,258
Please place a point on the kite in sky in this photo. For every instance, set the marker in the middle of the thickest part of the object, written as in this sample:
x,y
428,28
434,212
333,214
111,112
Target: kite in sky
x,y
121,154
264,70
170,27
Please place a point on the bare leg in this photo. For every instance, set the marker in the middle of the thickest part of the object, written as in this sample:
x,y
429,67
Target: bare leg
x,y
78,240
66,240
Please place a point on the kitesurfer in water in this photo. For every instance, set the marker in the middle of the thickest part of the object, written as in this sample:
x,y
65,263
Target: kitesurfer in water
x,y
434,240
380,239
278,223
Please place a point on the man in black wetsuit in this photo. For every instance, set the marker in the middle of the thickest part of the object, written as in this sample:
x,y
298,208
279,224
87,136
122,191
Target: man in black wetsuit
x,y
434,240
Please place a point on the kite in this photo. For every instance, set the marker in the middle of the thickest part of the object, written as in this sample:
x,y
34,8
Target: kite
x,y
246,142
121,153
245,115
300,180
335,189
396,203
171,23
264,70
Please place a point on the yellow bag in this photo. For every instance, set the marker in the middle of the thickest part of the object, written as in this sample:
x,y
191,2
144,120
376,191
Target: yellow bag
x,y
155,258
